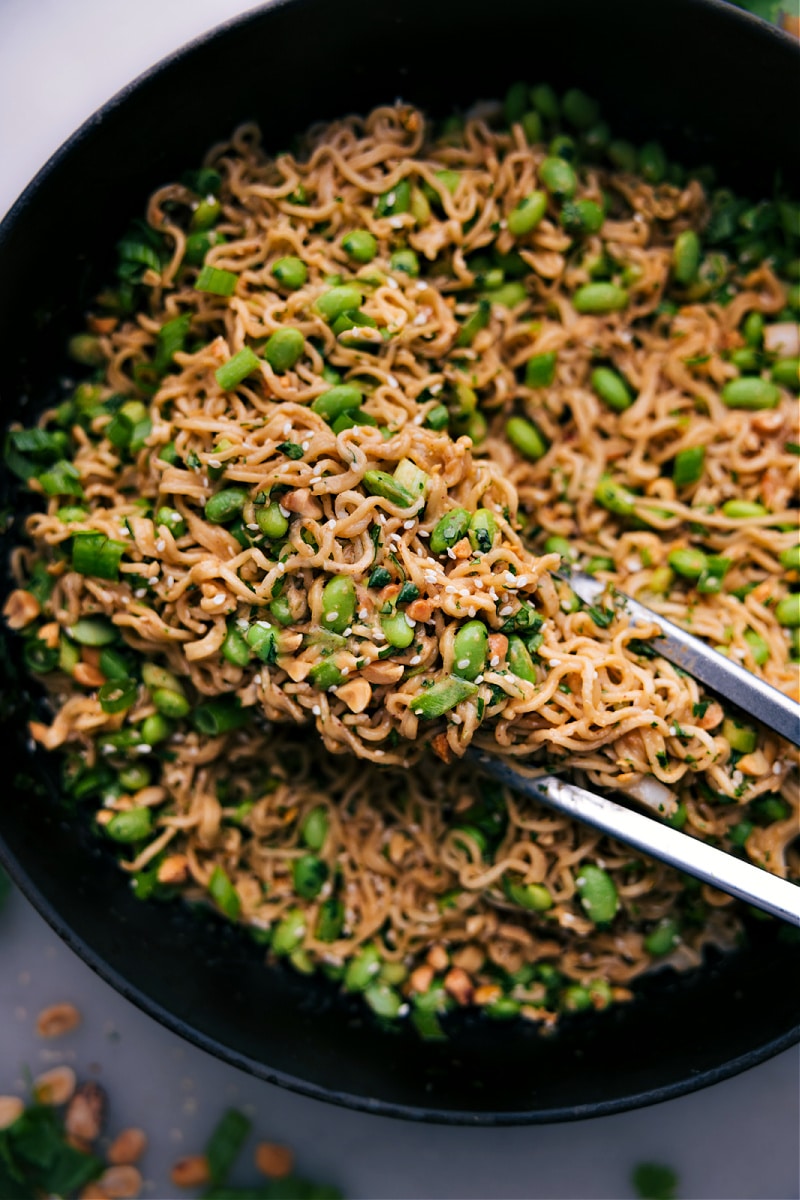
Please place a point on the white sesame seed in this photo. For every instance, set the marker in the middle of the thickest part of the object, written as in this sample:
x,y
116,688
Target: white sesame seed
x,y
450,590
420,319
505,611
363,613
451,552
776,768
479,679
462,663
409,524
139,593
287,428
411,623
143,748
251,525
317,469
344,670
378,636
494,661
331,524
393,282
417,658
736,778
471,611
257,680
331,616
316,710
281,567
392,382
170,580
348,631
161,545
220,599
214,462
455,719
285,512
429,576
553,662
423,533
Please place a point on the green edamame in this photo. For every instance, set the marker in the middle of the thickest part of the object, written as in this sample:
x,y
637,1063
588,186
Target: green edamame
x,y
449,529
397,630
751,392
599,298
686,256
558,177
360,245
528,213
598,894
469,650
291,272
525,437
611,388
284,348
787,610
482,530
689,563
344,397
338,603
271,521
224,506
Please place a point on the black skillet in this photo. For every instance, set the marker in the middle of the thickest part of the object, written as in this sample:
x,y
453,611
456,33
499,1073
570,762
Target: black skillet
x,y
714,85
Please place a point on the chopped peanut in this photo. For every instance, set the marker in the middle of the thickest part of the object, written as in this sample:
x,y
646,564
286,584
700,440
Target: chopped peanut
x,y
54,1086
459,985
398,845
356,694
498,646
383,672
20,609
174,869
295,668
469,958
441,747
49,634
421,979
127,1147
11,1107
421,610
92,1191
438,958
102,324
301,501
754,763
190,1172
487,993
274,1160
711,717
122,1182
57,1020
462,549
86,1112
88,676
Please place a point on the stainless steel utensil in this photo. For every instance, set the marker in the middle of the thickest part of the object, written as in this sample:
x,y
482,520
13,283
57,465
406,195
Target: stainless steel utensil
x,y
729,680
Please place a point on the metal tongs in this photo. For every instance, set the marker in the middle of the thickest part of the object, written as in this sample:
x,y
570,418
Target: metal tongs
x,y
729,680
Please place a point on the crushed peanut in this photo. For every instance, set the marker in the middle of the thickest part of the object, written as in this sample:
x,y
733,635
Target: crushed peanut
x,y
274,1160
57,1020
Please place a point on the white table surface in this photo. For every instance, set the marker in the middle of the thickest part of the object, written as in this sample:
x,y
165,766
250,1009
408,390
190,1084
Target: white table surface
x,y
59,60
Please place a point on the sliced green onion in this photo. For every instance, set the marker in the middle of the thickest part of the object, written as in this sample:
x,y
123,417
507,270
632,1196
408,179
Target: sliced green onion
x,y
216,281
62,479
442,697
224,894
220,716
117,695
237,368
688,466
96,554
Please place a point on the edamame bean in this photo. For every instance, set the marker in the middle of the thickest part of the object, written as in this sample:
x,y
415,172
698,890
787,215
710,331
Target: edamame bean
x,y
154,729
325,675
338,300
653,162
397,200
172,519
362,968
525,437
443,696
688,466
540,371
291,272
753,329
689,563
598,894
746,359
420,206
384,1001
622,154
509,295
469,649
361,245
86,349
545,101
170,704
381,483
284,348
786,371
528,213
739,736
519,660
582,216
751,392
534,897
330,920
531,124
743,510
599,298
611,388
342,398
406,261
314,829
338,603
599,563
787,610
614,497
224,506
686,256
664,938
438,417
560,545
92,631
558,177
263,641
579,109
759,649
309,875
134,777
397,630
289,932
575,998
235,648
449,529
482,530
790,559
131,825
271,521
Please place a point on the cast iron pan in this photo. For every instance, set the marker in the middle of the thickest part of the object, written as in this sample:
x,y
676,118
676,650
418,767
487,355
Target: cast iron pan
x,y
714,85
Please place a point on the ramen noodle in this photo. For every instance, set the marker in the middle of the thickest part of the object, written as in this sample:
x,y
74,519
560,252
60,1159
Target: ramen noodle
x,y
294,546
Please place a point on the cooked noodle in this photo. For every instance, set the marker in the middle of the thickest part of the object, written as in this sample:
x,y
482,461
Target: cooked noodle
x,y
445,879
